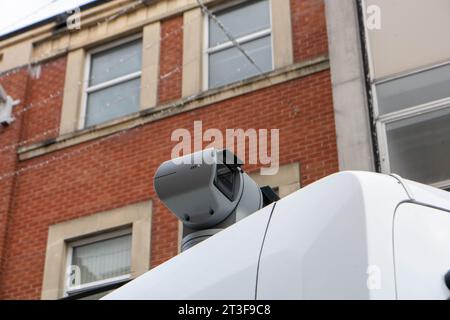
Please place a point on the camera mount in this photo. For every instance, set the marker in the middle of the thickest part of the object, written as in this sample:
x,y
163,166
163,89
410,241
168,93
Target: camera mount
x,y
208,191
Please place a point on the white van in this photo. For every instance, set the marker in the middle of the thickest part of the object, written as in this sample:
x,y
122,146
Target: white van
x,y
352,235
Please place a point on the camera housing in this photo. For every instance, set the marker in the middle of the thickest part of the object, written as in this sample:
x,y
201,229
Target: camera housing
x,y
208,191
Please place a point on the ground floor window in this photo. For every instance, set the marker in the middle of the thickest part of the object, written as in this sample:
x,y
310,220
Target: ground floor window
x,y
98,262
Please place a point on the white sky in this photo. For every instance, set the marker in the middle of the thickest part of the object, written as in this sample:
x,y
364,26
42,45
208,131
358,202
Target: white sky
x,y
15,14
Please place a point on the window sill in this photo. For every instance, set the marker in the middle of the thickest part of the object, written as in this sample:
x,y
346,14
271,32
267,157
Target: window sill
x,y
203,99
82,294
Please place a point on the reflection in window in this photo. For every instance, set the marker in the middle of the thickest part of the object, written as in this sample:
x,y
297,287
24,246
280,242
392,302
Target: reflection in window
x,y
99,261
227,64
114,81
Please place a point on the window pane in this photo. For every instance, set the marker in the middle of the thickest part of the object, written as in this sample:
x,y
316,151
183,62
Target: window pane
x,y
414,90
231,65
419,148
113,102
116,62
104,259
238,22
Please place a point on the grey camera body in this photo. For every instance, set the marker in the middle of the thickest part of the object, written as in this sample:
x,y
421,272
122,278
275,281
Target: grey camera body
x,y
208,191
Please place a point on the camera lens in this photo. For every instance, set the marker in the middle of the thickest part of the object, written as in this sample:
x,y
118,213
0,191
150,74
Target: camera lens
x,y
225,179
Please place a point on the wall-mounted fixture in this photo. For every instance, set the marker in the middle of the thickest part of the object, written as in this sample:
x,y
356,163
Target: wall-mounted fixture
x,y
6,105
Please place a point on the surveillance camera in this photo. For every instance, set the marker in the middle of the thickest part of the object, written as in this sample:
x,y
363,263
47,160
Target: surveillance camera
x,y
207,191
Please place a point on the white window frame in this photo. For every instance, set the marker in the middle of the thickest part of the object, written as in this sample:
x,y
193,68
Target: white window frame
x,y
242,40
382,120
87,73
70,290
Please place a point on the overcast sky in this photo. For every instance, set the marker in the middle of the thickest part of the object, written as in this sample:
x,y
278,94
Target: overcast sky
x,y
15,14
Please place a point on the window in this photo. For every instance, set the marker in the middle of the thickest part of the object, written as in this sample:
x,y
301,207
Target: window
x,y
134,219
112,88
224,63
414,125
97,262
285,182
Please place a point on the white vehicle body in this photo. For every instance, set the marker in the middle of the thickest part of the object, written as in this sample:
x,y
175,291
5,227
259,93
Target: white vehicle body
x,y
352,235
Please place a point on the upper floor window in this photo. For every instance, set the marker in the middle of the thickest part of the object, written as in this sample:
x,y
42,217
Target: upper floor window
x,y
249,22
112,88
98,262
413,121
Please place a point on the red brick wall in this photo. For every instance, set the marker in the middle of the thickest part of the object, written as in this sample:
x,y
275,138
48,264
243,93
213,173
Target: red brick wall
x,y
111,173
309,29
45,96
119,171
171,60
15,85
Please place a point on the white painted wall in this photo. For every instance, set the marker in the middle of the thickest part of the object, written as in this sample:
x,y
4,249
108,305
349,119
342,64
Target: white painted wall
x,y
414,33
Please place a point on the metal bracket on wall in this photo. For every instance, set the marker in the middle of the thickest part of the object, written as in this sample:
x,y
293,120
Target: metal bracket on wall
x,y
6,105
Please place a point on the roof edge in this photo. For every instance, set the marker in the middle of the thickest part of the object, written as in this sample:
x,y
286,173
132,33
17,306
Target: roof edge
x,y
49,20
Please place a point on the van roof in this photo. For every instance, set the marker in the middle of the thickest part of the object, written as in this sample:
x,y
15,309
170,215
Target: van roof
x,y
429,195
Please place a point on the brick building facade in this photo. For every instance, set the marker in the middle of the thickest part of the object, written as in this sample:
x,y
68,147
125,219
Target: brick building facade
x,y
60,182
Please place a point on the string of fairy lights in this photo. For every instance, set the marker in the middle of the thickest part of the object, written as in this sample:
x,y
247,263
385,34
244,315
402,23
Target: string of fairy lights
x,y
60,93
75,122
